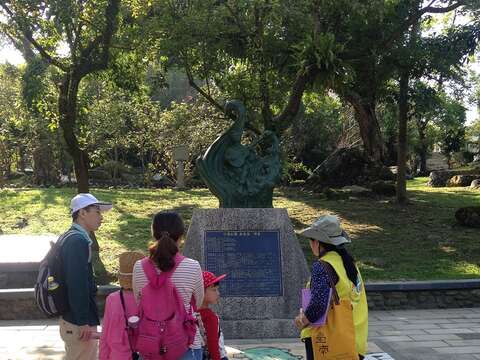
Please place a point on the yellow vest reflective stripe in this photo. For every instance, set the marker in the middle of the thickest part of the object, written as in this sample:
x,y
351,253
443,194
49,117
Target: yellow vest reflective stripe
x,y
357,296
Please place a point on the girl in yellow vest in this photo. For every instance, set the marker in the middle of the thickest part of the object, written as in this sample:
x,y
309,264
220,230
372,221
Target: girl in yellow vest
x,y
327,240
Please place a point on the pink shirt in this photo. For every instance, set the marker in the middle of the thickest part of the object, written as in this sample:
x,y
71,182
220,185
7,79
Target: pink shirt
x,y
114,343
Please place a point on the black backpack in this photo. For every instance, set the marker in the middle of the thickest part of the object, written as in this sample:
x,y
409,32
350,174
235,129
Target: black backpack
x,y
50,289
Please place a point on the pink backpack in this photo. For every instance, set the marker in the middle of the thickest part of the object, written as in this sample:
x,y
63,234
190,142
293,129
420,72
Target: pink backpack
x,y
165,330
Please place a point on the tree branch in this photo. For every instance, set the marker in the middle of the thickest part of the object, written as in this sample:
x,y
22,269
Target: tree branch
x,y
283,120
101,44
22,45
441,10
78,33
36,45
429,9
262,71
193,84
238,22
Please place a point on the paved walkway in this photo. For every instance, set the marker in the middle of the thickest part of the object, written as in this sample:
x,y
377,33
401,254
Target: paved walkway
x,y
404,335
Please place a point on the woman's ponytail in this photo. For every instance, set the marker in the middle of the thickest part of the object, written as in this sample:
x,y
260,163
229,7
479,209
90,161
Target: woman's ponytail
x,y
162,252
347,259
167,228
349,264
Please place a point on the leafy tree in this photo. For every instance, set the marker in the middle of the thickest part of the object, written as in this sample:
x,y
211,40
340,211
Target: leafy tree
x,y
87,29
268,53
195,123
318,130
126,126
427,56
117,123
424,110
13,117
452,126
236,46
473,134
39,96
381,42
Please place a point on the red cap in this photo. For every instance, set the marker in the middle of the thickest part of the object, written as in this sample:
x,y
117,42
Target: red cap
x,y
210,278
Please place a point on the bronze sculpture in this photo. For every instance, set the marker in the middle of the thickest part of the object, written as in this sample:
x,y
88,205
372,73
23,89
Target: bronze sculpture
x,y
241,176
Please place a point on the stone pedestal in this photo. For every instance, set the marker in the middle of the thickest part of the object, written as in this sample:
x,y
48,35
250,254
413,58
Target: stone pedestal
x,y
254,316
180,176
180,154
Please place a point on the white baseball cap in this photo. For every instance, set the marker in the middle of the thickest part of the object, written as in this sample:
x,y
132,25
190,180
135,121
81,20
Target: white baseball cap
x,y
83,200
327,229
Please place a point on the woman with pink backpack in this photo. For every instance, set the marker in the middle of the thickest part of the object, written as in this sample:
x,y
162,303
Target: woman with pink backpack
x,y
167,287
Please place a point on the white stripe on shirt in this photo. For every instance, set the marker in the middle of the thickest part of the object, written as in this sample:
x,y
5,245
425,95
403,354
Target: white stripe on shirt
x,y
188,280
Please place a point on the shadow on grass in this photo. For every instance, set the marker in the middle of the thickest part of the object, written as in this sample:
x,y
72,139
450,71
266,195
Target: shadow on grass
x,y
149,194
454,199
419,241
45,197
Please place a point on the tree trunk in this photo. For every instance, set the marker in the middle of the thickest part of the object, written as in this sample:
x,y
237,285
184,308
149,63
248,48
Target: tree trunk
x,y
22,161
142,157
115,165
423,171
369,128
402,140
67,107
4,163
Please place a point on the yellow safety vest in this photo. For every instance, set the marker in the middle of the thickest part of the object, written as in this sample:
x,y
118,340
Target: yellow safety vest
x,y
356,294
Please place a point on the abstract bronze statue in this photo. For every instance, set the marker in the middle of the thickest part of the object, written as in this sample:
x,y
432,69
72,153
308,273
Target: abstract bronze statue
x,y
241,176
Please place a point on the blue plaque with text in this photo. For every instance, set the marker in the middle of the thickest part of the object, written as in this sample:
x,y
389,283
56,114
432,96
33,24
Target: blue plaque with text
x,y
251,260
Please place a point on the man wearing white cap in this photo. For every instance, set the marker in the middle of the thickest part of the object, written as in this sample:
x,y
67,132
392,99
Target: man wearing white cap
x,y
81,319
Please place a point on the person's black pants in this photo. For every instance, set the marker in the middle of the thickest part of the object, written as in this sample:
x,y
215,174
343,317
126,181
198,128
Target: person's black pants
x,y
309,349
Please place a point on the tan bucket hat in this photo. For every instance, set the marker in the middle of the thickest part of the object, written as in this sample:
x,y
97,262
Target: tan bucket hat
x,y
126,262
327,229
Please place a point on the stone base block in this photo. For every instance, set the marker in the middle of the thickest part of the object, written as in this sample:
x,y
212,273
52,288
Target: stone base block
x,y
254,316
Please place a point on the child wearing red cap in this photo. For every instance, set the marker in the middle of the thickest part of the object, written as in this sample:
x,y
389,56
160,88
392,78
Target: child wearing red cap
x,y
214,348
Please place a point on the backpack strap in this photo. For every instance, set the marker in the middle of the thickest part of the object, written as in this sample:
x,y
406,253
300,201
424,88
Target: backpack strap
x,y
56,247
62,238
153,277
122,300
127,328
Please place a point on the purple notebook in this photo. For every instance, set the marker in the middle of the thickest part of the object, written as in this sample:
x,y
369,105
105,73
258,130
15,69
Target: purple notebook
x,y
306,296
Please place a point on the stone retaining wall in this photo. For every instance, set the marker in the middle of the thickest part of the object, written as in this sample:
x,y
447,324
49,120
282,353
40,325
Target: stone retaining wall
x,y
423,295
19,304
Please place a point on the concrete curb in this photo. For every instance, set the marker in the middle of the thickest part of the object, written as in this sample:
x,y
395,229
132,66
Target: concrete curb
x,y
19,304
423,285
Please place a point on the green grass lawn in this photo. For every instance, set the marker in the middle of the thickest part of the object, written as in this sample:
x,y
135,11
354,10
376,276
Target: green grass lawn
x,y
418,242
